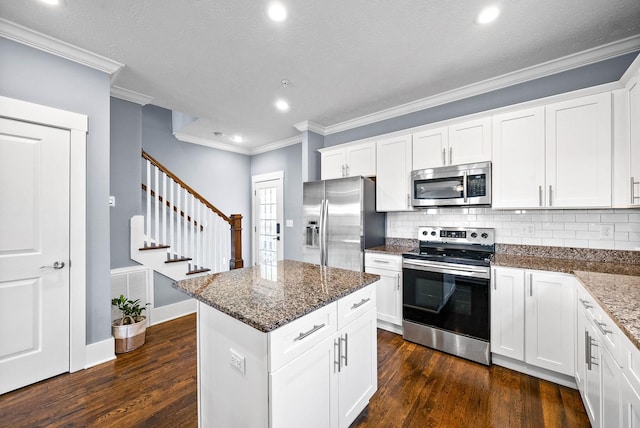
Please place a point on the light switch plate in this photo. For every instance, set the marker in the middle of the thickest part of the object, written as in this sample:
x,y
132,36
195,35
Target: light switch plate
x,y
112,201
289,223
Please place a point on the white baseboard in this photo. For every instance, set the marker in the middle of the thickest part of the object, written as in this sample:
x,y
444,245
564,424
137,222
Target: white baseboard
x,y
386,325
538,372
99,352
176,310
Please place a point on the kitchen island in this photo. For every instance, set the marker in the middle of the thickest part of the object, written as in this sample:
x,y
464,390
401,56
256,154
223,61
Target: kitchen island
x,y
291,344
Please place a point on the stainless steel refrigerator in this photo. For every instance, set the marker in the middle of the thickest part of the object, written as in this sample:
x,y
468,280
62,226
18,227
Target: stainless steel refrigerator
x,y
340,221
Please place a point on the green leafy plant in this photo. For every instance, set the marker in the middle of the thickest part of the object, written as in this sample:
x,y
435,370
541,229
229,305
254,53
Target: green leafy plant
x,y
131,309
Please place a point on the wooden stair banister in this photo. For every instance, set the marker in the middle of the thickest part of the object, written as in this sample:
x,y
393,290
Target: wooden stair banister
x,y
235,220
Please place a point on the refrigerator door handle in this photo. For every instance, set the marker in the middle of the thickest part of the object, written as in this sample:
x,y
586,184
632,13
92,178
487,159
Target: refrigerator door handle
x,y
325,216
321,232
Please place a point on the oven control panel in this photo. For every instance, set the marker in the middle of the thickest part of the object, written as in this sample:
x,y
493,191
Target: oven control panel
x,y
461,235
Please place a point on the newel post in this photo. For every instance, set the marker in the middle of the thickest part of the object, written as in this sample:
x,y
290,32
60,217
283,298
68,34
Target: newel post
x,y
236,261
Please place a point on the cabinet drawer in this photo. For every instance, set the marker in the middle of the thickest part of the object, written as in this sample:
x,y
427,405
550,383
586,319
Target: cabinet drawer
x,y
383,261
610,333
355,304
297,337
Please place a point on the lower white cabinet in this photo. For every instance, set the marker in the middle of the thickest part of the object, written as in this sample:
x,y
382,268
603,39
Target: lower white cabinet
x,y
533,318
629,404
332,383
388,289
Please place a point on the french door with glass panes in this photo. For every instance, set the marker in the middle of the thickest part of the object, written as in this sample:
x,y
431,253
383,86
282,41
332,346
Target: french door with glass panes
x,y
268,216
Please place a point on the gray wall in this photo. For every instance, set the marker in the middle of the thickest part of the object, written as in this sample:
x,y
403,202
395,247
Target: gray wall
x,y
222,177
289,160
126,143
32,75
579,78
311,142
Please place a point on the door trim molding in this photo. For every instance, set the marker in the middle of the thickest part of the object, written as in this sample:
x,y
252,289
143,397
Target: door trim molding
x,y
276,175
77,124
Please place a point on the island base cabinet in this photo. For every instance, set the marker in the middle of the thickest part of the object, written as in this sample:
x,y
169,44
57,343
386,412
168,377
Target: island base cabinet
x,y
303,392
332,383
629,405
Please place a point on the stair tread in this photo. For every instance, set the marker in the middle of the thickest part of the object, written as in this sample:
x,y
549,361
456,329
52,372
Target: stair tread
x,y
191,272
154,247
180,259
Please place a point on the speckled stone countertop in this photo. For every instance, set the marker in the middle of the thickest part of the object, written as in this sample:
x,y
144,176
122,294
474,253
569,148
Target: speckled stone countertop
x,y
267,297
395,246
611,277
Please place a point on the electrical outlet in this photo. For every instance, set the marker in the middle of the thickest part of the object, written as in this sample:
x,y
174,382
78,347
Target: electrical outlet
x,y
112,201
606,231
527,229
238,361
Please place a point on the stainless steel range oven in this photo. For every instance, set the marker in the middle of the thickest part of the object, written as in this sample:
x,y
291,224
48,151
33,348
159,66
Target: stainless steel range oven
x,y
446,281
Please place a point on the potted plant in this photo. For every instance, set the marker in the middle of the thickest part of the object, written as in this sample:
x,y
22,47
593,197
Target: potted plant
x,y
129,331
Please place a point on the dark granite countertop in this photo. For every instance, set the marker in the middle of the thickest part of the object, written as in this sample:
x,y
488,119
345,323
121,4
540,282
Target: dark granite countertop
x,y
267,297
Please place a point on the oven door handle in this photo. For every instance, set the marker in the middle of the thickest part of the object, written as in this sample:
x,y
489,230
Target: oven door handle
x,y
470,271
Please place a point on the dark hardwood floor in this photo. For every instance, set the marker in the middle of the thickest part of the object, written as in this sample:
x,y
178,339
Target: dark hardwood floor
x,y
155,386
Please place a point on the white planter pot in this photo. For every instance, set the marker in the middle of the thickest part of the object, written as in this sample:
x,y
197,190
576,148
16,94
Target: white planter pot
x,y
129,336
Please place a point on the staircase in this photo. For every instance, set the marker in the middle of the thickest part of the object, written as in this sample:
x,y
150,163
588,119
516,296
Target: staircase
x,y
182,235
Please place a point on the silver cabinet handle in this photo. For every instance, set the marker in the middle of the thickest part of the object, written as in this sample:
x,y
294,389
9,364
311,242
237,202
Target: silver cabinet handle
x,y
587,358
381,261
397,281
633,190
408,200
362,302
444,156
348,170
310,332
337,343
550,198
55,265
531,285
585,304
345,357
601,327
344,171
539,196
450,155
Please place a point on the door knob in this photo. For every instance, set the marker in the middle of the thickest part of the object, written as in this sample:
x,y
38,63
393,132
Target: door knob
x,y
56,265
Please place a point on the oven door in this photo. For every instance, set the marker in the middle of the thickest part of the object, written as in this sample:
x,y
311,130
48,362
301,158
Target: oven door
x,y
449,297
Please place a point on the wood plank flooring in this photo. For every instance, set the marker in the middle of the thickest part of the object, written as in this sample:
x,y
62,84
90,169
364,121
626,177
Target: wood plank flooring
x,y
155,386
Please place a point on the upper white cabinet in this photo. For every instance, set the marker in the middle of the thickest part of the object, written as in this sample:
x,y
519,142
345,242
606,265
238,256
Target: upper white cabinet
x,y
464,142
533,318
518,159
578,141
557,156
626,146
393,168
348,161
470,141
430,148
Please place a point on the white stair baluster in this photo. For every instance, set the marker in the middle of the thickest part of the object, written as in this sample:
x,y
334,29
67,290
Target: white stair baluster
x,y
185,235
156,208
172,200
148,228
164,209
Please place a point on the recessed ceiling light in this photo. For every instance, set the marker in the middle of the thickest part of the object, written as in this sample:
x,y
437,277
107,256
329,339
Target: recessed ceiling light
x,y
277,12
487,15
282,105
53,2
237,138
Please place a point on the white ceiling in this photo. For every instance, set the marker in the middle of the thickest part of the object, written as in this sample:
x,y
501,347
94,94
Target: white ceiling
x,y
223,61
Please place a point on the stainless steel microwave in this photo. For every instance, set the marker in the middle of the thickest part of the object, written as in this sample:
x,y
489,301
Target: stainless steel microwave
x,y
468,184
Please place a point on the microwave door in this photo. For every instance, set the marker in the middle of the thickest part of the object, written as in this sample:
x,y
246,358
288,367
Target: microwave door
x,y
439,188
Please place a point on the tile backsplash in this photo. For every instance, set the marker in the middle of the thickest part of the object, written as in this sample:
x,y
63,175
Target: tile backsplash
x,y
613,229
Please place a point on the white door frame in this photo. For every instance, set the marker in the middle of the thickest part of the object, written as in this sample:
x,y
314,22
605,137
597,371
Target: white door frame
x,y
77,124
276,175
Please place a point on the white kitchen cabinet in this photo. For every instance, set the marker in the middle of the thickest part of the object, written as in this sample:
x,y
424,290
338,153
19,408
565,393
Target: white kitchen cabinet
x,y
388,289
578,144
556,156
507,313
329,385
464,142
430,148
393,174
610,389
629,404
592,394
348,161
470,141
550,321
518,157
545,338
626,153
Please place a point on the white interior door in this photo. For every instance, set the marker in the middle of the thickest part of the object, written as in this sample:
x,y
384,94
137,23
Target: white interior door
x,y
268,213
34,253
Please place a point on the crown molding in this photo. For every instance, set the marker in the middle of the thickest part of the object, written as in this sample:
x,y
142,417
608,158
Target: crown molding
x,y
548,68
129,95
310,126
210,143
277,145
26,36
